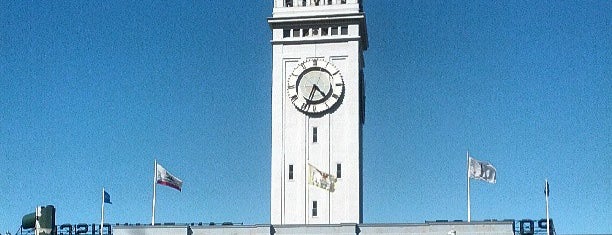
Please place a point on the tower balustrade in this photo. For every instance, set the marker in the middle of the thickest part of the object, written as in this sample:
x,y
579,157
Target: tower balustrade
x,y
310,3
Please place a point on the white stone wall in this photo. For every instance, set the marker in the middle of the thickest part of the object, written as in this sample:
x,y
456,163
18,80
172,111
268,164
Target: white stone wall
x,y
449,228
338,132
149,230
224,230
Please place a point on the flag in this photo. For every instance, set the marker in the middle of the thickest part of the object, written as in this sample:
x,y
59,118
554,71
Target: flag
x,y
164,177
546,189
107,198
321,179
481,170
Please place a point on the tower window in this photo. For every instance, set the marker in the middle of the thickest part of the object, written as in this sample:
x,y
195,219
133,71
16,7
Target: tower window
x,y
314,135
316,2
314,208
305,32
290,172
334,31
342,1
286,33
288,3
296,32
324,31
303,2
329,2
338,170
344,30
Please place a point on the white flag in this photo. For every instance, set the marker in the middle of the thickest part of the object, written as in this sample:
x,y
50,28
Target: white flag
x,y
321,179
164,177
481,170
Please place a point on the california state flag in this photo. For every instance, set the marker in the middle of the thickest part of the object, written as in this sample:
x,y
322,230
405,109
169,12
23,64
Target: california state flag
x,y
163,177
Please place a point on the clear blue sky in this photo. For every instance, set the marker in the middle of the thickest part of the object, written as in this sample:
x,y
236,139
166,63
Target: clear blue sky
x,y
91,92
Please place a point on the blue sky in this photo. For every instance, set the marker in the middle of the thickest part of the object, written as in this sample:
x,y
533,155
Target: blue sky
x,y
91,92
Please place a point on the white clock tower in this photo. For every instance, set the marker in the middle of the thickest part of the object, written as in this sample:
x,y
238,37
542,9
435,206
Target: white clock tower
x,y
317,111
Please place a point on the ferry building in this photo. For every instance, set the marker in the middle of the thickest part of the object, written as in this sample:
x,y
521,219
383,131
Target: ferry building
x,y
318,107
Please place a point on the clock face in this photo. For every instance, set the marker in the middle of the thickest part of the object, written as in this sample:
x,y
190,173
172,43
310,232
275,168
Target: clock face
x,y
315,86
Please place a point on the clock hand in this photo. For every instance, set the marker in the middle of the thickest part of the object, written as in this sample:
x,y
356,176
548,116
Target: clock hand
x,y
312,92
319,90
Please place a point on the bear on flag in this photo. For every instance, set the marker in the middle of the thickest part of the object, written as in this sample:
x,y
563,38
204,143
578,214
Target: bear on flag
x,y
164,177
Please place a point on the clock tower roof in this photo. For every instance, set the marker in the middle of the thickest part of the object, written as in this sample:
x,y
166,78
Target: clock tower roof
x,y
295,14
306,8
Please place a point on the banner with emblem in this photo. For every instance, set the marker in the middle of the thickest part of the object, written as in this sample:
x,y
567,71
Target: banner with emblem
x,y
321,179
481,170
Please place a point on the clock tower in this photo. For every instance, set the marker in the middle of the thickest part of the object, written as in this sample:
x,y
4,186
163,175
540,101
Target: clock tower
x,y
317,111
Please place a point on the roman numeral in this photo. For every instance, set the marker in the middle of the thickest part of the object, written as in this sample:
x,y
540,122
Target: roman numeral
x,y
335,96
339,84
305,106
291,87
303,66
293,98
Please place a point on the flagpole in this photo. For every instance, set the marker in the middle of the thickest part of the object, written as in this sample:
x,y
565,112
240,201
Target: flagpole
x,y
546,191
102,222
154,187
469,215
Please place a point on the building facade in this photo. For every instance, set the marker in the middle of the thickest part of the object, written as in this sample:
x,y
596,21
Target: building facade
x,y
317,117
317,111
429,228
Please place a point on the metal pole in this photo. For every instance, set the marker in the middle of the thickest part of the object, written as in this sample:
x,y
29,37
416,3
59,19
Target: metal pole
x,y
154,189
102,222
469,219
547,215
